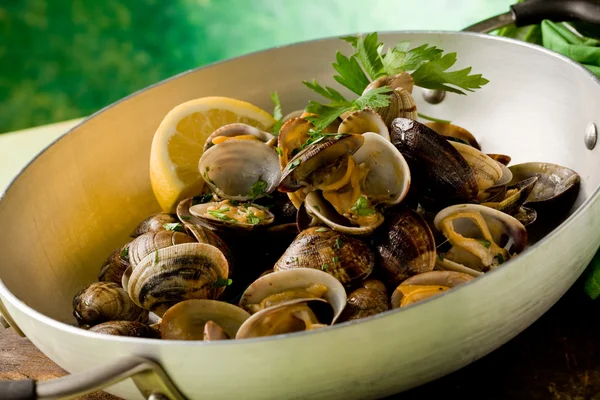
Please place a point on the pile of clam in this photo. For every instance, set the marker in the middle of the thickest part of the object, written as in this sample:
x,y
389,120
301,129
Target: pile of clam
x,y
307,229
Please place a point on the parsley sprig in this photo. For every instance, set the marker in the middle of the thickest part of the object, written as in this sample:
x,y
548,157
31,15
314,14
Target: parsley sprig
x,y
428,66
362,207
220,214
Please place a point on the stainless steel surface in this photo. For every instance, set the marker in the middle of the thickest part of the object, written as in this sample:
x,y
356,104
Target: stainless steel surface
x,y
4,323
493,23
591,136
55,238
433,96
147,375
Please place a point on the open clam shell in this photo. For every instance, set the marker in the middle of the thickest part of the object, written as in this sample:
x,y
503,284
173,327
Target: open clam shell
x,y
153,223
240,132
515,197
438,170
346,258
322,210
233,168
402,80
426,285
454,131
177,273
388,179
556,189
319,164
284,286
293,316
187,320
363,121
226,215
481,237
292,135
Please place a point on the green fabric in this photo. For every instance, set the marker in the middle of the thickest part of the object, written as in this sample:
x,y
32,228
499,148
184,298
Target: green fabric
x,y
558,37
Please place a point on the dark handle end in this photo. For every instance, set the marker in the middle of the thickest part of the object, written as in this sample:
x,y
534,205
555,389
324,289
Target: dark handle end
x,y
534,11
18,390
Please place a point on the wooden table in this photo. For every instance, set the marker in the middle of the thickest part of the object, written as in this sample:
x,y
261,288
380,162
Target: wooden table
x,y
558,358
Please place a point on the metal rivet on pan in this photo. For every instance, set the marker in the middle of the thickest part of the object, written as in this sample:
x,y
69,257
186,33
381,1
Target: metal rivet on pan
x,y
591,136
434,96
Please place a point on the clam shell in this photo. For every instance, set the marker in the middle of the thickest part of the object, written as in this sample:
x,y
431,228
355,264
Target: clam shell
x,y
177,273
388,179
487,171
511,204
292,115
317,163
115,265
125,328
454,131
403,80
506,231
501,158
363,303
324,212
288,280
438,170
272,321
402,105
448,279
556,189
105,301
200,212
363,121
292,135
154,223
239,129
506,177
152,241
404,246
186,320
448,265
233,167
319,247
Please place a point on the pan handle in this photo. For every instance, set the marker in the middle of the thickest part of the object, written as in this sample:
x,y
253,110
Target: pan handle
x,y
534,11
151,380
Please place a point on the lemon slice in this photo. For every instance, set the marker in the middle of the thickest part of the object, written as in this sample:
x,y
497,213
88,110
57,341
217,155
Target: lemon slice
x,y
178,142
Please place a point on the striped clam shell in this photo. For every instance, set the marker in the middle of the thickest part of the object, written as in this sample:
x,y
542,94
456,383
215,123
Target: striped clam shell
x,y
177,273
152,241
105,301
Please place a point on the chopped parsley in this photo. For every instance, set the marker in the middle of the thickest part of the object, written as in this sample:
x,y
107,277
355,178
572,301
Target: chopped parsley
x,y
125,253
321,230
252,219
294,164
203,198
338,243
325,267
234,203
155,257
440,256
221,282
500,258
258,189
336,260
279,151
485,243
175,226
186,217
220,214
206,177
361,207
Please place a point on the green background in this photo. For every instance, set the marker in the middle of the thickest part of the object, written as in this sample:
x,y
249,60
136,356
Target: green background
x,y
63,59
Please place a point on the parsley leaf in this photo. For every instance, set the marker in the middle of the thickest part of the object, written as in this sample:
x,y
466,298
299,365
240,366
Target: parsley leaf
x,y
361,207
294,164
186,217
369,56
321,230
374,98
353,40
350,73
252,219
500,258
327,92
398,59
258,189
441,121
325,267
277,113
155,257
338,243
433,75
279,151
221,282
175,226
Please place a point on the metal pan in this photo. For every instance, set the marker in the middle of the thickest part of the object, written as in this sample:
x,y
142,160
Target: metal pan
x,y
81,197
